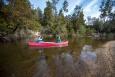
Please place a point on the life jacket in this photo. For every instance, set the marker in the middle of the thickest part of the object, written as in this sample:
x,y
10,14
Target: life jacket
x,y
58,39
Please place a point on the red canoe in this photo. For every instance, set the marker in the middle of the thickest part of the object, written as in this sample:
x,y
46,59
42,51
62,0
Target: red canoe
x,y
47,44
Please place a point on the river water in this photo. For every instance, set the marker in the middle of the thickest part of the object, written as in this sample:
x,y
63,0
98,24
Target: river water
x,y
79,59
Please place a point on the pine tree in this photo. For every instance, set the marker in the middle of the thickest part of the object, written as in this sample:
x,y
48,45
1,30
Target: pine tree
x,y
105,8
16,14
54,3
107,15
76,18
65,5
48,18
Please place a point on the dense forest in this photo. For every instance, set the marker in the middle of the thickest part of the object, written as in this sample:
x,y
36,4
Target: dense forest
x,y
16,15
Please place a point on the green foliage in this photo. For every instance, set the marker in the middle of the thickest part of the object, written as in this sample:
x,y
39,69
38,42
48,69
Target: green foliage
x,y
69,25
106,8
3,25
48,18
89,31
17,15
107,22
65,5
54,3
39,16
81,31
61,24
77,18
98,25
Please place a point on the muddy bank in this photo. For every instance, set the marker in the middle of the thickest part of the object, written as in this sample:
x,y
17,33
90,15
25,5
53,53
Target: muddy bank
x,y
18,35
106,60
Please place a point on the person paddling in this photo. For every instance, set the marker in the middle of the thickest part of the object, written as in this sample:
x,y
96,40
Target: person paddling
x,y
58,39
40,39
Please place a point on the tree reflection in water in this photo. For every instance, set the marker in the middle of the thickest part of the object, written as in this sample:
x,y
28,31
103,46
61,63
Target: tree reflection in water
x,y
42,69
98,63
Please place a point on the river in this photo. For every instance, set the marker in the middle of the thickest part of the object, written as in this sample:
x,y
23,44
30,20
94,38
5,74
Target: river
x,y
76,60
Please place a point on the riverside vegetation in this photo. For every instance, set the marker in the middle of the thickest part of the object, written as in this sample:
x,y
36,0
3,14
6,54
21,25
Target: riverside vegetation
x,y
17,17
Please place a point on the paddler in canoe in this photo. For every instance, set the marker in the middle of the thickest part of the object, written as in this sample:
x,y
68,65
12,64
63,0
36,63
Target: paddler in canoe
x,y
58,39
39,38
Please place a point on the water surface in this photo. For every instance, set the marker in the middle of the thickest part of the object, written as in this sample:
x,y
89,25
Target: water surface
x,y
79,59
